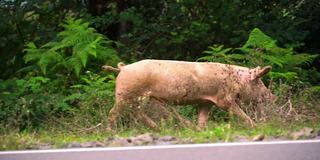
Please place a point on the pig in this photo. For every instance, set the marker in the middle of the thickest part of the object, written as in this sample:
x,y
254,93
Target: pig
x,y
180,82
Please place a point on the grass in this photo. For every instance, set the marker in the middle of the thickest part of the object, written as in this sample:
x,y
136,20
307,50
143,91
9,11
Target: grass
x,y
215,132
221,128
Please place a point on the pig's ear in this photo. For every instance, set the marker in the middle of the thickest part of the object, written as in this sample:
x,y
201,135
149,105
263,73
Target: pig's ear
x,y
262,72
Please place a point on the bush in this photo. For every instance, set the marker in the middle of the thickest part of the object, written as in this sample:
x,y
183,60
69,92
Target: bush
x,y
74,48
91,99
261,50
64,91
29,102
32,102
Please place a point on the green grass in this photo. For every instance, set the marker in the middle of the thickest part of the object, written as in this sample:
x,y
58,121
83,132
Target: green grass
x,y
215,132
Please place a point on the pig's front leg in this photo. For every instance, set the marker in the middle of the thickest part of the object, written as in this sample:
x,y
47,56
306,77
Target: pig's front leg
x,y
235,109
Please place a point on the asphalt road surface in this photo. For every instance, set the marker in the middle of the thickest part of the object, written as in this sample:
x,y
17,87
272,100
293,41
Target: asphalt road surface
x,y
281,150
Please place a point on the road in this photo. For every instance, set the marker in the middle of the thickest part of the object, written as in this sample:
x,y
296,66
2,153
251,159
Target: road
x,y
281,150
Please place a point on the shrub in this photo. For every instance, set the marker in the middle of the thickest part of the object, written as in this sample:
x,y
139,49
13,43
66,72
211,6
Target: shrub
x,y
75,46
64,91
30,101
262,50
91,99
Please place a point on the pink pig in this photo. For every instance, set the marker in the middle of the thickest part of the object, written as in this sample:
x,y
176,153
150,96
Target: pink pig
x,y
179,82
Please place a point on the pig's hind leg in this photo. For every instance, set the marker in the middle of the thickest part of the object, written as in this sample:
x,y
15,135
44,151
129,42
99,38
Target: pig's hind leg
x,y
122,102
203,115
114,113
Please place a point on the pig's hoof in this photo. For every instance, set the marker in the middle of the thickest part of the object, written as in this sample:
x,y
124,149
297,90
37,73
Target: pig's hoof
x,y
109,129
252,124
200,127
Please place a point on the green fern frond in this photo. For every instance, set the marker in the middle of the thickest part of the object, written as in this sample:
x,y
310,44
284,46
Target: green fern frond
x,y
237,56
300,59
33,53
49,58
273,60
74,48
54,46
32,56
43,63
107,54
261,50
83,56
258,39
289,76
217,53
206,58
76,64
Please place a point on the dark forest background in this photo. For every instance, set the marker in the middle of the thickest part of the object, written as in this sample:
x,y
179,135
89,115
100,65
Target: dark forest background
x,y
51,51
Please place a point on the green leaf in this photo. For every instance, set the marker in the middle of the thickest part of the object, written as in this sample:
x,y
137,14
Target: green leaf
x,y
83,56
274,60
258,39
237,56
76,64
33,53
72,48
72,97
289,76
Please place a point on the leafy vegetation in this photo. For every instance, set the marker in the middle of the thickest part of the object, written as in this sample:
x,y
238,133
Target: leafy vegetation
x,y
28,102
51,53
65,90
262,50
72,50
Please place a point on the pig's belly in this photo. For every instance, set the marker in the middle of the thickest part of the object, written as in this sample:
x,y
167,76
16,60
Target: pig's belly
x,y
178,96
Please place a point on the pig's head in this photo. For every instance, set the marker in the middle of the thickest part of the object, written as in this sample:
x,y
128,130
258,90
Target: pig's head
x,y
253,89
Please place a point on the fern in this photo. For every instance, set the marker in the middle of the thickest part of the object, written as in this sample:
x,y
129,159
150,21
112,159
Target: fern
x,y
288,76
33,53
75,46
261,50
44,57
257,39
217,53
